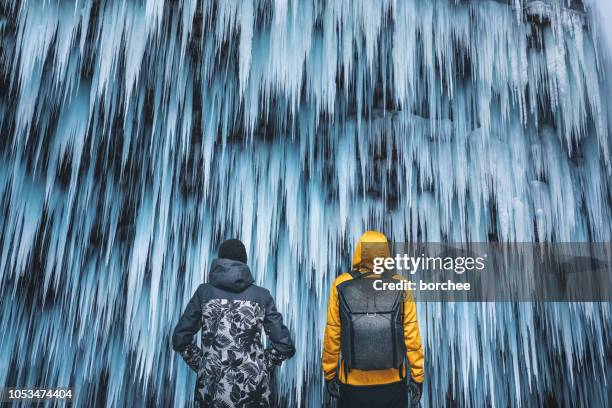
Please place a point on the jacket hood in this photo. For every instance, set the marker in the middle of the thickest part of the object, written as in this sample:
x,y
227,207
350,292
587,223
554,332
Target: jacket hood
x,y
230,275
372,244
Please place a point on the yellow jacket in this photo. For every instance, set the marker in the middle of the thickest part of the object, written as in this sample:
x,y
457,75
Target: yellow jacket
x,y
363,261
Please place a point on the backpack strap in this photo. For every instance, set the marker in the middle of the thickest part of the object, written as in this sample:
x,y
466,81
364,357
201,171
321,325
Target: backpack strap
x,y
403,363
358,275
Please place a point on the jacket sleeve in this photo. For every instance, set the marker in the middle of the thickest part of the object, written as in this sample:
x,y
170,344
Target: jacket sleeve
x,y
412,339
188,325
331,340
282,347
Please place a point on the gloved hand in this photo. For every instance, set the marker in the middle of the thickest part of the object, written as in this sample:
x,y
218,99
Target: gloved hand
x,y
416,390
333,387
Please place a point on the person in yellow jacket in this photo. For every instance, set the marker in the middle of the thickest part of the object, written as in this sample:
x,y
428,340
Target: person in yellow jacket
x,y
371,388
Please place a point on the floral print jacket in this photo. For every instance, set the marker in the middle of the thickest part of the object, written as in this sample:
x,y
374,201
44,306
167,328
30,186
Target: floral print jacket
x,y
230,311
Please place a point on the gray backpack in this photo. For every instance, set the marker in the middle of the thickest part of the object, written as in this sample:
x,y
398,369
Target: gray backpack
x,y
372,335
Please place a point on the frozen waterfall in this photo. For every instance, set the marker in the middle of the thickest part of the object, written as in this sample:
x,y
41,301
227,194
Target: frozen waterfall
x,y
138,134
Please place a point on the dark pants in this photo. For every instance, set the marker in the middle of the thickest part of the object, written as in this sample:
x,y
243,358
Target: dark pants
x,y
394,395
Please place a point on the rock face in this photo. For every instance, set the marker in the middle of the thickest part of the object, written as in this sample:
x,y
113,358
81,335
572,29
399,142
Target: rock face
x,y
136,136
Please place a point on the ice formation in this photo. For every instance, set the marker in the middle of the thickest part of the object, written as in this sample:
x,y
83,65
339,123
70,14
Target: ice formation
x,y
138,134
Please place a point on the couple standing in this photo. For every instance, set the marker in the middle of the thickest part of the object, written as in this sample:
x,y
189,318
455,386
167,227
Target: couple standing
x,y
369,336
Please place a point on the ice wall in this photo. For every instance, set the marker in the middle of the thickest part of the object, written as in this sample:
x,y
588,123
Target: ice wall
x,y
137,135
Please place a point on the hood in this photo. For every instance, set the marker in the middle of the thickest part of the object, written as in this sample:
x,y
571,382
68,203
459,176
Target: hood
x,y
372,244
230,275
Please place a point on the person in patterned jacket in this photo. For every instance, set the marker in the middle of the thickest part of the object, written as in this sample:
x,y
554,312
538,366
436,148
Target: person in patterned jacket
x,y
232,366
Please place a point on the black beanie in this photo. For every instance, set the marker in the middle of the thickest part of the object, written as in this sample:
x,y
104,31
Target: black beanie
x,y
233,249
